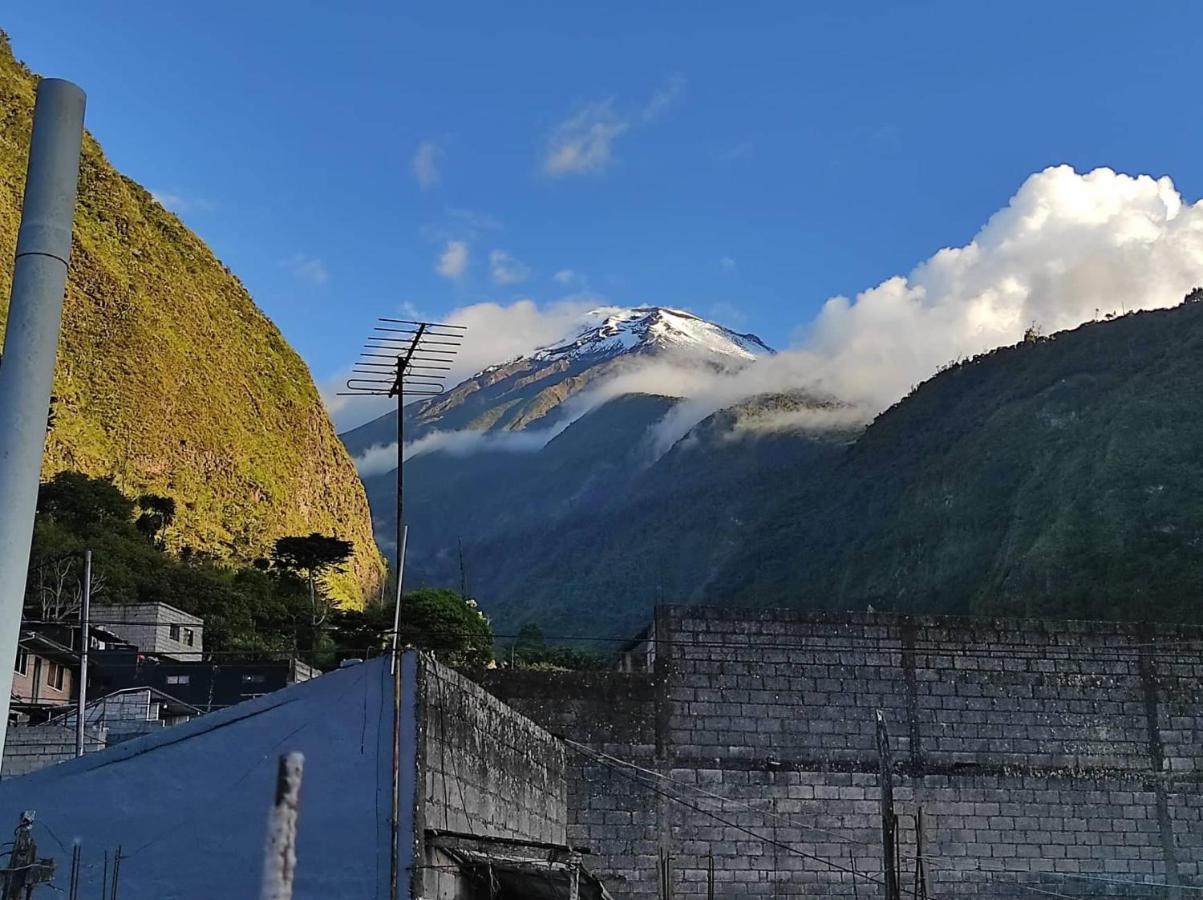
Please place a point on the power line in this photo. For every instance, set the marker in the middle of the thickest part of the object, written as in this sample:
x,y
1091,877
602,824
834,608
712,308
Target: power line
x,y
718,797
730,824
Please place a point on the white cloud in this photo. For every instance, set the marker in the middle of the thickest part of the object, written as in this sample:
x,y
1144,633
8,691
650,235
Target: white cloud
x,y
565,276
507,270
453,261
1066,249
663,99
425,164
307,268
182,203
584,142
727,264
383,457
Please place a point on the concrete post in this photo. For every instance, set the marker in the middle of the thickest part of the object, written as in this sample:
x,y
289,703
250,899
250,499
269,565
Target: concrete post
x,y
30,341
280,848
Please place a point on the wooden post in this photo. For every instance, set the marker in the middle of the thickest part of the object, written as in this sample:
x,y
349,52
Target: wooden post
x,y
280,848
920,863
116,872
889,821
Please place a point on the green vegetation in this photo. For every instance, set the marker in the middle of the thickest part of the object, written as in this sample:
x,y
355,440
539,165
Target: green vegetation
x,y
275,605
253,609
529,650
436,619
172,383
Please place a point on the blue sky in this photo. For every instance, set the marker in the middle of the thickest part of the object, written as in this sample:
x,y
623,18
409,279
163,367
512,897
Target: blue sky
x,y
746,161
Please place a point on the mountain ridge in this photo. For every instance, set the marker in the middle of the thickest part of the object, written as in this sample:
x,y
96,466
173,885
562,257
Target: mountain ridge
x,y
171,380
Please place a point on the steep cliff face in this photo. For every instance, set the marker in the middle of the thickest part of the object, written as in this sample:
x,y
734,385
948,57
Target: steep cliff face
x,y
171,380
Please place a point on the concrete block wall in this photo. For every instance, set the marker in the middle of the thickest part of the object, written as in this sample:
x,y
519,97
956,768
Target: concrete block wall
x,y
487,770
28,748
1060,756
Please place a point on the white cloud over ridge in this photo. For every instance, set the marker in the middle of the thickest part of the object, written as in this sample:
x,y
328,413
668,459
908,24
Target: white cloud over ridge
x,y
1067,248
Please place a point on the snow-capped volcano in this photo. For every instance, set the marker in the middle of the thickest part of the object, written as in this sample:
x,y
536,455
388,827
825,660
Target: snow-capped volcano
x,y
610,330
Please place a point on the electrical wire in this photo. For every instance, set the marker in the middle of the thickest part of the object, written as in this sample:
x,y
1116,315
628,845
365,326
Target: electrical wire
x,y
622,772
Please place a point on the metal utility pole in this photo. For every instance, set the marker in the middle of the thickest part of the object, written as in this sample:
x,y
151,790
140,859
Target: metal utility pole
x,y
30,343
85,642
889,821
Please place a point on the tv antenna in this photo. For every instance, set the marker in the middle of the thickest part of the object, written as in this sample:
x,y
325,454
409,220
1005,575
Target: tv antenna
x,y
403,358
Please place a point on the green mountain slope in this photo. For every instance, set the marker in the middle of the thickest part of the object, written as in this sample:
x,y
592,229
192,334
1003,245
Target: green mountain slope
x,y
171,380
1062,477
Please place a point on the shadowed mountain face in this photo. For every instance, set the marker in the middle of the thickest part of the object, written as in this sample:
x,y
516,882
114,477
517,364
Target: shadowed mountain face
x,y
1059,477
171,380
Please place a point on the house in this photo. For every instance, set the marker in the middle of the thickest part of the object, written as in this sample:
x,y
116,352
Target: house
x,y
158,629
44,676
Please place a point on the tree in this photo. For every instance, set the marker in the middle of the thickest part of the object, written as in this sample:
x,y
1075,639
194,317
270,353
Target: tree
x,y
83,504
435,619
447,623
531,651
311,557
158,512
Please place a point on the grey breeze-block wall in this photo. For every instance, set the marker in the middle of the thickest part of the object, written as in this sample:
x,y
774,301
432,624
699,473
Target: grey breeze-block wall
x,y
486,770
1061,756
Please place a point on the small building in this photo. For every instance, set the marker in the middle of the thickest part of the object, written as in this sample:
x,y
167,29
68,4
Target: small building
x,y
204,684
44,675
155,628
130,713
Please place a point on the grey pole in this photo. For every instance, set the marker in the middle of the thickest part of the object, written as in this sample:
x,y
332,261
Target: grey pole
x,y
30,341
85,640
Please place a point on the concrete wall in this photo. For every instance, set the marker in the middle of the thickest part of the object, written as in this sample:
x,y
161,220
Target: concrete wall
x,y
1062,756
148,626
484,770
488,771
28,748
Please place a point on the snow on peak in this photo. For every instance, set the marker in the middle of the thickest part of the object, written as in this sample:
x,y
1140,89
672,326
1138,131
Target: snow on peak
x,y
611,330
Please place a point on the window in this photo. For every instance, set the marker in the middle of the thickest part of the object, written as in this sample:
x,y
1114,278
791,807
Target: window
x,y
189,636
177,679
55,675
173,631
22,665
254,679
